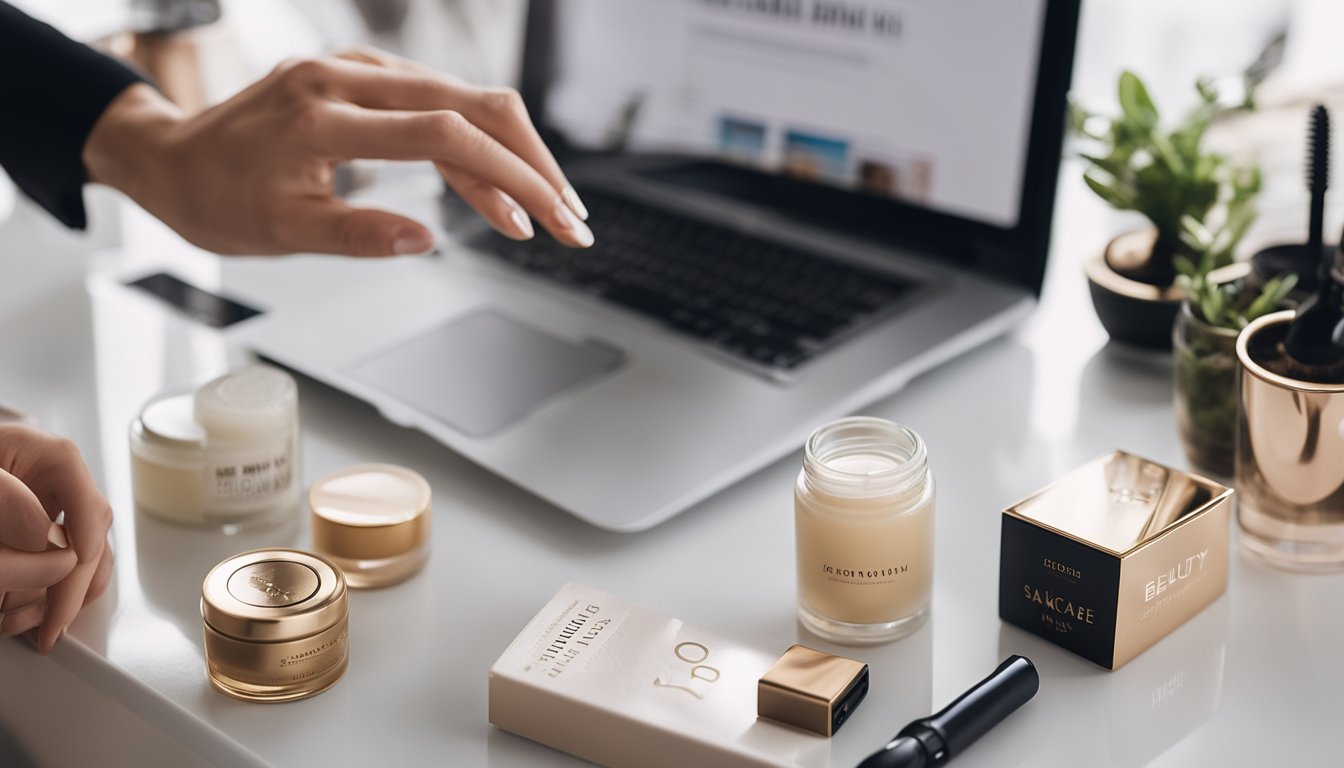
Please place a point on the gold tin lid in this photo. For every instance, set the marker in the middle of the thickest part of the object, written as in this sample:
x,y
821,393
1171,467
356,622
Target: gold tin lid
x,y
370,511
273,595
812,690
1120,502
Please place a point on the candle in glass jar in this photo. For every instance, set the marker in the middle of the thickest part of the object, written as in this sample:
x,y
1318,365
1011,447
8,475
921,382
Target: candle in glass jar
x,y
864,526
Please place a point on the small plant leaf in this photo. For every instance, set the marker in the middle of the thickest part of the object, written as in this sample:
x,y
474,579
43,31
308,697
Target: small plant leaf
x,y
1114,166
1207,91
1167,152
1271,296
1135,102
1106,192
1080,121
1199,236
1185,267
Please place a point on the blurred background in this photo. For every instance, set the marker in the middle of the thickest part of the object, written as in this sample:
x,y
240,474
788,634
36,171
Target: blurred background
x,y
202,51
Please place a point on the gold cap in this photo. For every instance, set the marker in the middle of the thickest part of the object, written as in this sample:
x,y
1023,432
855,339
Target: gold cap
x,y
1119,502
812,690
369,512
272,595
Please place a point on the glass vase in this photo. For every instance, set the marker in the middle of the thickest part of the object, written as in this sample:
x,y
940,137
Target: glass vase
x,y
1206,392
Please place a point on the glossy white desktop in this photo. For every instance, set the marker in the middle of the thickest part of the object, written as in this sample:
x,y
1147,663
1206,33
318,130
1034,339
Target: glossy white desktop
x,y
1261,663
1258,678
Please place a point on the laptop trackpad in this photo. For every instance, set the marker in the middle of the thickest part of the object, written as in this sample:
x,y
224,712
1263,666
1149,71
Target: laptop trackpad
x,y
482,371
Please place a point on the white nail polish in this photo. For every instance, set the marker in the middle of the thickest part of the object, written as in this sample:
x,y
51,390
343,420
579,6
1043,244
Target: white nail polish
x,y
56,538
411,246
583,235
567,220
521,223
575,204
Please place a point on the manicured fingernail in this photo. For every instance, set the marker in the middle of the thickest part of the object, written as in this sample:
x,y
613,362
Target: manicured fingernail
x,y
56,538
575,204
409,240
567,220
522,224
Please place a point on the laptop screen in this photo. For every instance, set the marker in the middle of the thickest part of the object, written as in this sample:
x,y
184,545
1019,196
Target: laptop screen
x,y
927,102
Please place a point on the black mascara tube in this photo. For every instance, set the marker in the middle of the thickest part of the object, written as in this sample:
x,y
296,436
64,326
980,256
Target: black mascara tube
x,y
932,741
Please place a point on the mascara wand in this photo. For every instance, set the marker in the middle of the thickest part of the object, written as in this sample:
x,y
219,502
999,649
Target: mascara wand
x,y
1315,339
1309,261
1318,178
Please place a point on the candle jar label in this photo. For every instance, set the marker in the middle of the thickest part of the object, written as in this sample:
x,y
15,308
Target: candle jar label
x,y
866,571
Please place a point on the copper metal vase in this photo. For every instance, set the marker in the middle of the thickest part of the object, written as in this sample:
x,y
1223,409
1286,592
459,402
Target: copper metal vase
x,y
1290,456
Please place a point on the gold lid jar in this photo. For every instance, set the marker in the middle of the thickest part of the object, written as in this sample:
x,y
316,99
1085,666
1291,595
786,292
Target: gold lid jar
x,y
372,520
275,625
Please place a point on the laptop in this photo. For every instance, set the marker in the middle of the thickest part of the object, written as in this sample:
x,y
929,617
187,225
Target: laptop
x,y
798,206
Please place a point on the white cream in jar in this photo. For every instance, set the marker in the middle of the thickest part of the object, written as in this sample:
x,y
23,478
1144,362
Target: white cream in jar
x,y
226,454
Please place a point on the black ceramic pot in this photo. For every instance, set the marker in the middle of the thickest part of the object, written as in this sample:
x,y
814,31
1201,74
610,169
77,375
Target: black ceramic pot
x,y
1132,312
1268,263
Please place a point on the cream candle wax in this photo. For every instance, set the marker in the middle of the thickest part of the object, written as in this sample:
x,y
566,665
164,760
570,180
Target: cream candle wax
x,y
864,526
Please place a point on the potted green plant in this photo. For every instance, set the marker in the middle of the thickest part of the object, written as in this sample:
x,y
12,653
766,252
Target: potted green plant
x,y
1218,304
1169,177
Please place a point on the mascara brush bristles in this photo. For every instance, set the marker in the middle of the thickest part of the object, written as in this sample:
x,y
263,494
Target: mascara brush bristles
x,y
1318,173
1318,150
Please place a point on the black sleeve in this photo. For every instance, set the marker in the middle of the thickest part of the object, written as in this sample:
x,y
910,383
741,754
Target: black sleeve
x,y
52,91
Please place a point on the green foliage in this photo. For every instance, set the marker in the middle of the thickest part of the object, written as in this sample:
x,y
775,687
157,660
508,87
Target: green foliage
x,y
1167,175
1226,305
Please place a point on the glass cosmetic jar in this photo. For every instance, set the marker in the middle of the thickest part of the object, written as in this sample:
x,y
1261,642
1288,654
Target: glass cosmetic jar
x,y
864,529
372,520
225,454
275,625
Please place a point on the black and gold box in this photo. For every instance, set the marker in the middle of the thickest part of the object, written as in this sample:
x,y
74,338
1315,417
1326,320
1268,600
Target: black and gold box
x,y
1114,556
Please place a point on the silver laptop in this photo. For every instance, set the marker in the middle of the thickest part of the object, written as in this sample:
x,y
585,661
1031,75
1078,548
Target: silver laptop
x,y
798,207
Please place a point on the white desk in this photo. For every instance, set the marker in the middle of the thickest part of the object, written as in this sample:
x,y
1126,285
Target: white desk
x,y
1254,679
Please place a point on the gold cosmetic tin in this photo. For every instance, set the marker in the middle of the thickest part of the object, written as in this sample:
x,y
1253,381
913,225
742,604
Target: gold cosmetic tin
x,y
1290,457
812,690
373,521
275,625
1114,556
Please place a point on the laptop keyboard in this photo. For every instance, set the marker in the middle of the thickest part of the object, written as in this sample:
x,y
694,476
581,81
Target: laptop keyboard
x,y
758,300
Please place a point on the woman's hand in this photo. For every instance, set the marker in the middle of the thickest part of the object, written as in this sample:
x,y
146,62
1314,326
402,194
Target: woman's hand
x,y
48,572
253,175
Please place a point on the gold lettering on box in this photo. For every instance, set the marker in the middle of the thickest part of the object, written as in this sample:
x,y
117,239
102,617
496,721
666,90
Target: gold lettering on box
x,y
1174,575
1059,604
694,654
1062,569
